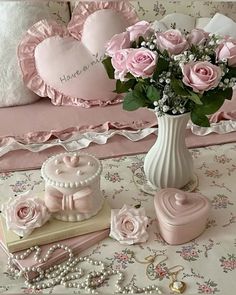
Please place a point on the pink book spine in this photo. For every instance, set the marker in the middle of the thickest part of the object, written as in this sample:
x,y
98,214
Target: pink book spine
x,y
77,244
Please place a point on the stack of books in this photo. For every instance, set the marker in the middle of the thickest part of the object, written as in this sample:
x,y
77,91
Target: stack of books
x,y
76,235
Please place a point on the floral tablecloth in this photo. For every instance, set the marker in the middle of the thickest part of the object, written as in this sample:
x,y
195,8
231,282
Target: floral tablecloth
x,y
209,261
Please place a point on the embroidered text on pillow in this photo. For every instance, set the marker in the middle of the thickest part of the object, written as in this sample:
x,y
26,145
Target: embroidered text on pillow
x,y
56,64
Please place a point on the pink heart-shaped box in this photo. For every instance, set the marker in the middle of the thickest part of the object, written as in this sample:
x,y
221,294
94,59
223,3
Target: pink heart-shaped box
x,y
65,64
182,216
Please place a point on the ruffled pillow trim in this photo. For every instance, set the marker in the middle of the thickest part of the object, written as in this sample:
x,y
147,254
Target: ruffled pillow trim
x,y
26,50
221,127
44,136
83,10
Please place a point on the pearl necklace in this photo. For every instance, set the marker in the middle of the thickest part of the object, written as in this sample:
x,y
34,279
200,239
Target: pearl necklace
x,y
64,273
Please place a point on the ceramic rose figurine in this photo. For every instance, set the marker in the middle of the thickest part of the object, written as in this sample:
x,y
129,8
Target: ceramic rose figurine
x,y
72,186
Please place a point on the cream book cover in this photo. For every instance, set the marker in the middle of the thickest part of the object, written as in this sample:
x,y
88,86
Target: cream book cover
x,y
56,230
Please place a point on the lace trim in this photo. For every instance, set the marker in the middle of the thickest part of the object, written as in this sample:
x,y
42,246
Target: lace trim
x,y
76,142
44,136
222,127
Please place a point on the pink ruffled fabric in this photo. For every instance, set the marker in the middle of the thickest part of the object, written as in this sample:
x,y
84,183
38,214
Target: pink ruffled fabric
x,y
83,10
35,35
219,116
45,136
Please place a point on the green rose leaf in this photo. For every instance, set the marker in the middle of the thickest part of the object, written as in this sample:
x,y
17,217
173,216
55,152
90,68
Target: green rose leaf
x,y
132,101
165,53
213,100
140,40
195,98
134,44
129,76
122,87
161,66
153,93
140,89
178,87
228,92
231,73
108,66
199,119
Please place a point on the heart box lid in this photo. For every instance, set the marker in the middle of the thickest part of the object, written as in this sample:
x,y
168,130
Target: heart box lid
x,y
176,207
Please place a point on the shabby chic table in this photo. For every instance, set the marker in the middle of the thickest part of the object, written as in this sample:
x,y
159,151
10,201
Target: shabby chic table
x,y
209,261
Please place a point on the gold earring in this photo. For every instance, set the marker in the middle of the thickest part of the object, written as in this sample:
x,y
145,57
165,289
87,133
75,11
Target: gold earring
x,y
176,286
149,261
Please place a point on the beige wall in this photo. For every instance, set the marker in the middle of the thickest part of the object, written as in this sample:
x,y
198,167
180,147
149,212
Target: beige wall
x,y
155,10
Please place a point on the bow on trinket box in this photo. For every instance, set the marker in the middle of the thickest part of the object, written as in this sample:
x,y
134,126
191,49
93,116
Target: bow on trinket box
x,y
80,201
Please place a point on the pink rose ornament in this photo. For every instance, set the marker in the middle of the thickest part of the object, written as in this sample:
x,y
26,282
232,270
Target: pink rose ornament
x,y
118,62
141,62
201,76
117,42
198,37
172,40
227,50
128,225
24,213
140,29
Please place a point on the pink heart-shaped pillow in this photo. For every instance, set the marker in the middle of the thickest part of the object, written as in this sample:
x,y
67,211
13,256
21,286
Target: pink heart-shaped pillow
x,y
65,63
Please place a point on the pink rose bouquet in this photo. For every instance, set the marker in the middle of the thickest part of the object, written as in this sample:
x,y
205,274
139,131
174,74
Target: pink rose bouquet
x,y
24,213
172,72
128,225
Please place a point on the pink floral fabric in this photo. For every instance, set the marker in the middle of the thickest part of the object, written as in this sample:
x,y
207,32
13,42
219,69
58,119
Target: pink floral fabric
x,y
209,261
156,10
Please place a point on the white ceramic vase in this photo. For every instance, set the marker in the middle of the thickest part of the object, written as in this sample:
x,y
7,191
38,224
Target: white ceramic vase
x,y
169,163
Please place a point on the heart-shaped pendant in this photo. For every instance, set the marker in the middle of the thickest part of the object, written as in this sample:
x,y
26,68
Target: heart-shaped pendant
x,y
178,287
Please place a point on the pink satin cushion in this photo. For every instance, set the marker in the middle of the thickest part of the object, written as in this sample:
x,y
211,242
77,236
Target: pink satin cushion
x,y
65,64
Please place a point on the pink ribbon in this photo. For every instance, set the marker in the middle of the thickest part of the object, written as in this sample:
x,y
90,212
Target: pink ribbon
x,y
80,201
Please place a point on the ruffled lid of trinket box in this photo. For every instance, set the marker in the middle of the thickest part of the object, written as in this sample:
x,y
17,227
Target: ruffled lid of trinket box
x,y
71,170
176,207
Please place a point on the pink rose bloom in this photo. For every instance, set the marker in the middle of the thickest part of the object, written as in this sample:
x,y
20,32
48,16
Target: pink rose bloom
x,y
198,37
201,76
118,62
141,62
117,42
227,50
24,213
128,225
172,41
141,28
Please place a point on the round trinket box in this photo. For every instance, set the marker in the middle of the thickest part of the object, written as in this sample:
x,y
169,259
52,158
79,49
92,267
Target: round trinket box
x,y
182,216
72,186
